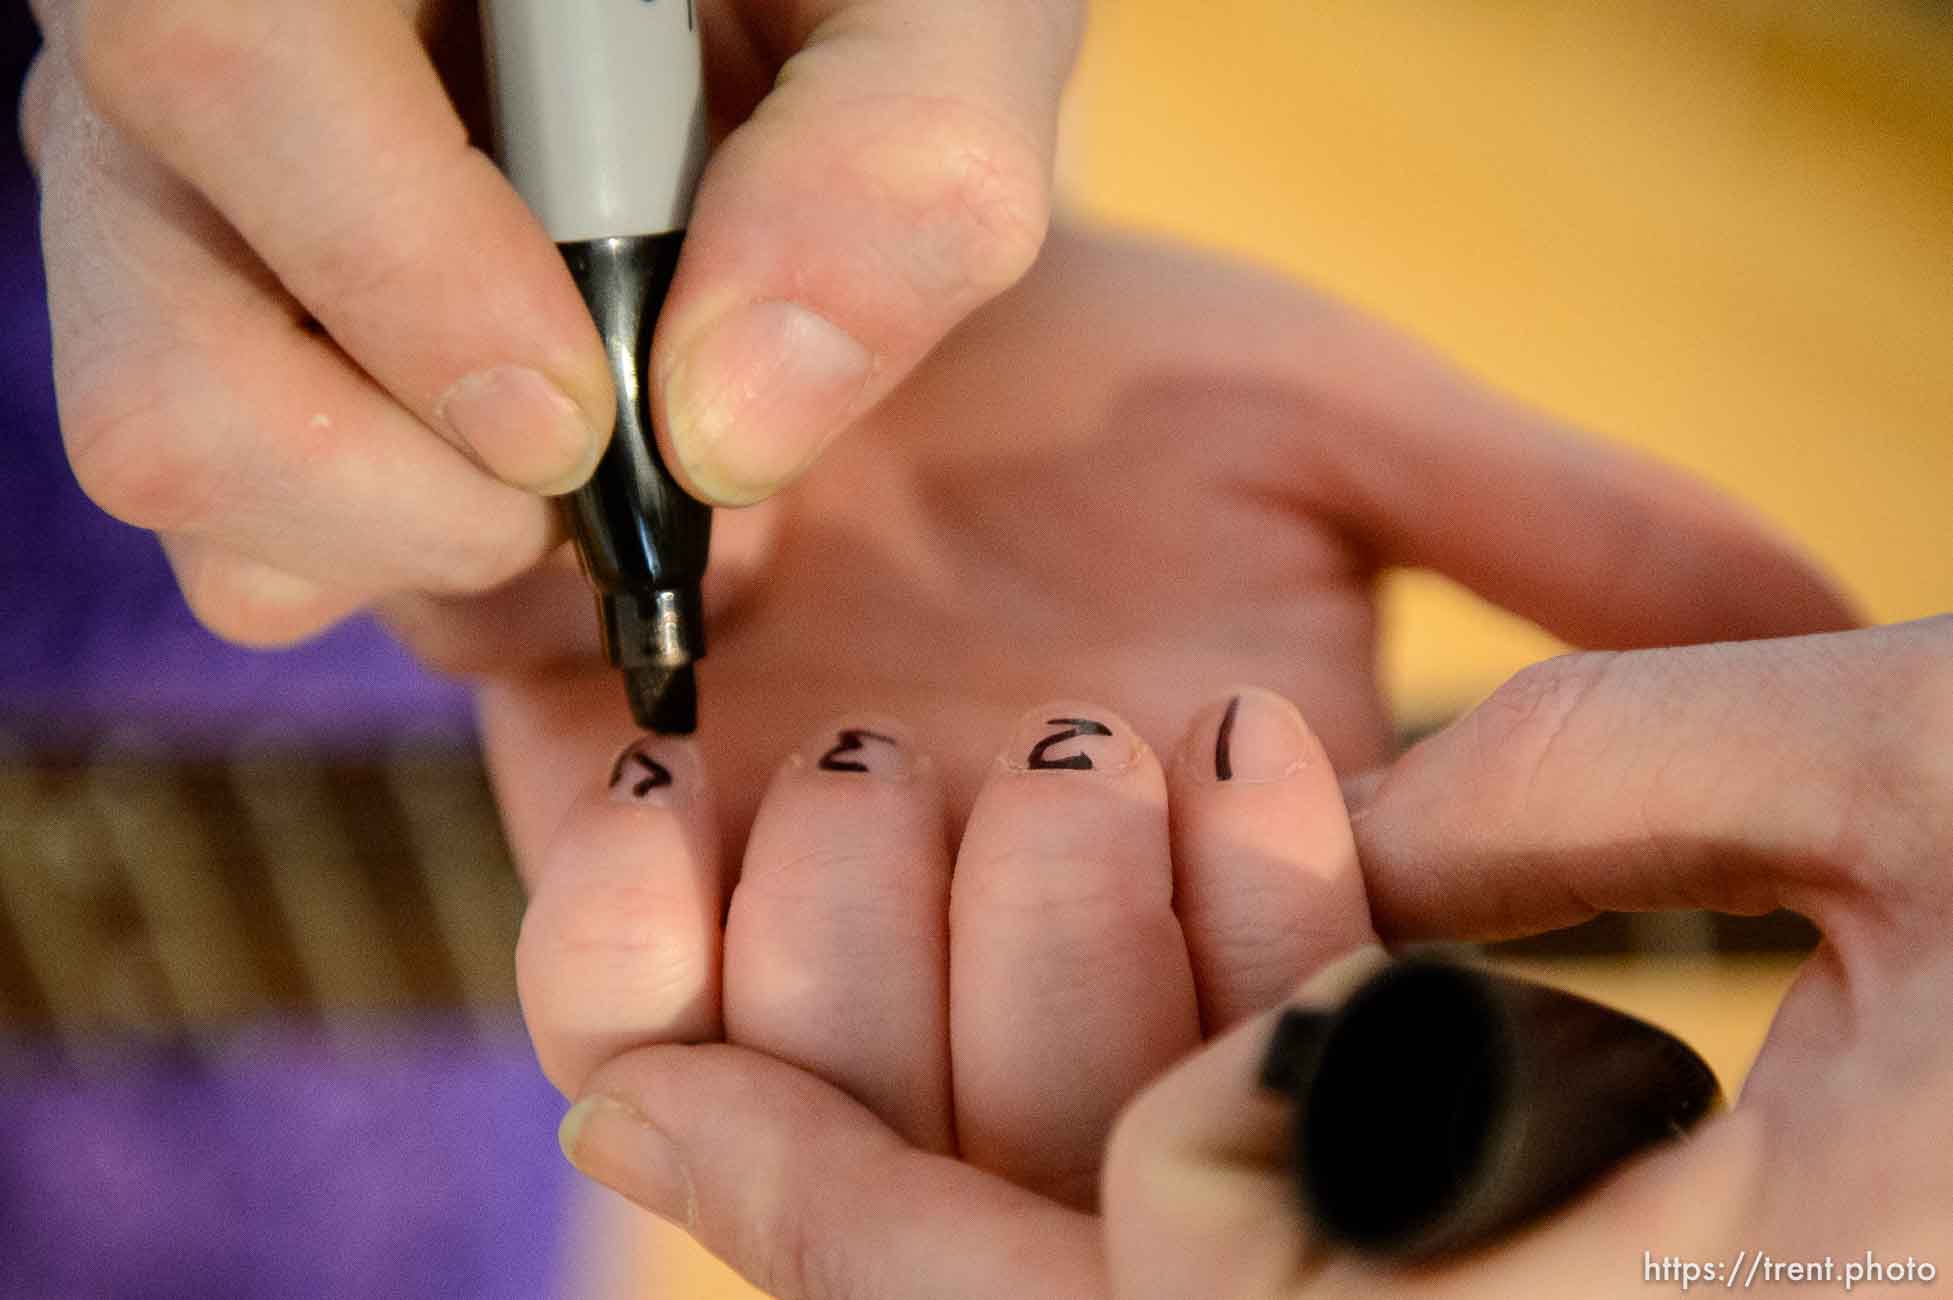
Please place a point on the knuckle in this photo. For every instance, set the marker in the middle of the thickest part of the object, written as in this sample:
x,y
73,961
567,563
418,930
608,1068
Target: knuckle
x,y
972,190
428,628
366,259
805,877
147,64
638,937
1266,951
1929,681
1086,899
137,461
1913,750
1875,819
1525,719
229,619
336,271
245,604
802,1254
484,559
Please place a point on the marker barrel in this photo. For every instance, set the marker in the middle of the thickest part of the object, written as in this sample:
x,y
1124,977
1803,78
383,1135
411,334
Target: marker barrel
x,y
601,127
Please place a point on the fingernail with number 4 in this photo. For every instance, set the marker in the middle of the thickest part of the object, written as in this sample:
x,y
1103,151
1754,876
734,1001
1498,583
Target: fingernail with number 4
x,y
654,773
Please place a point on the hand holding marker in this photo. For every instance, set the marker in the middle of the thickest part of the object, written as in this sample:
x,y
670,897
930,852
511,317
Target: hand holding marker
x,y
602,129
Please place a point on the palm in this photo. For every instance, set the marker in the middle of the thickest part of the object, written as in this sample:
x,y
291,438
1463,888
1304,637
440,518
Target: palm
x,y
1072,497
1140,477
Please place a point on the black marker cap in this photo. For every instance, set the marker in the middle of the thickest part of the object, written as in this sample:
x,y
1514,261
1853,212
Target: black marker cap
x,y
1443,1104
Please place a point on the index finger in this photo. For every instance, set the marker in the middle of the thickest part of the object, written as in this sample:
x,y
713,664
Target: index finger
x,y
324,135
895,176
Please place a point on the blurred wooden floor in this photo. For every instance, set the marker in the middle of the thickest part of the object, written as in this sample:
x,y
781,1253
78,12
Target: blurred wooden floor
x,y
1720,230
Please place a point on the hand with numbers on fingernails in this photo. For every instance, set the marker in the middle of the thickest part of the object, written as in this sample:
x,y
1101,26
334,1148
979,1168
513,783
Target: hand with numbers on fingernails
x,y
1078,495
954,1066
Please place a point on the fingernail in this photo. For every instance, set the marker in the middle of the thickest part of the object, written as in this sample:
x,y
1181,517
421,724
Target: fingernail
x,y
1250,737
1070,737
610,1142
751,403
873,747
652,772
520,428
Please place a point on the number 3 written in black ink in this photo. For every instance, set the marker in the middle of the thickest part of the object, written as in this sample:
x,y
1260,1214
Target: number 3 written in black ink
x,y
1075,727
833,760
653,774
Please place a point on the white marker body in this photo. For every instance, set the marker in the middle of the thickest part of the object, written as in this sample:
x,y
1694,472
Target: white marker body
x,y
600,111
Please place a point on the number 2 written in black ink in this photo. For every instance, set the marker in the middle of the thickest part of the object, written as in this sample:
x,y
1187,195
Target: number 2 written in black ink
x,y
651,774
851,742
1041,760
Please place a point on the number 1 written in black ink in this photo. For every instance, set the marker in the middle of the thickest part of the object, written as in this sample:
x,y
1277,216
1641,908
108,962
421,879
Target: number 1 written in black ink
x,y
1074,728
1224,742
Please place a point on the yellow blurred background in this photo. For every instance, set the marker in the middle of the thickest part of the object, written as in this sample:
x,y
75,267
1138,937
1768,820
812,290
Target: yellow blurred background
x,y
1719,230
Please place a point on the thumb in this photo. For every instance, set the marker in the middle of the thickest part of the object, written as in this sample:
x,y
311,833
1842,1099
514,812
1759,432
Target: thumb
x,y
896,177
810,1196
1807,773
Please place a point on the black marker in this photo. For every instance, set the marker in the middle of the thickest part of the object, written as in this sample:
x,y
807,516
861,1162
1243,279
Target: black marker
x,y
600,119
1441,1106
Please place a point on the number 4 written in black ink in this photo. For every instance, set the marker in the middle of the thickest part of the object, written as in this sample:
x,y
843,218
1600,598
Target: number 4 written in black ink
x,y
653,775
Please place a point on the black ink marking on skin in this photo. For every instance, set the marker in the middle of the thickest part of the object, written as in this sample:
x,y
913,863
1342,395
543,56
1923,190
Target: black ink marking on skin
x,y
1223,761
851,740
1076,727
653,774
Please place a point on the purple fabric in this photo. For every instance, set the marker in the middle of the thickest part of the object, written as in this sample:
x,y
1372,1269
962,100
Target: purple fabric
x,y
418,1164
421,1164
